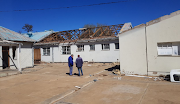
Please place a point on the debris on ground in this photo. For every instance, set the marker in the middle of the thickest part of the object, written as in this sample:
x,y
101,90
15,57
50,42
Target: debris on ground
x,y
119,78
95,80
116,71
103,75
78,87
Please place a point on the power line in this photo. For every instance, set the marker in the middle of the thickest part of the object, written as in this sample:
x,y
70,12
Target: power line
x,y
69,6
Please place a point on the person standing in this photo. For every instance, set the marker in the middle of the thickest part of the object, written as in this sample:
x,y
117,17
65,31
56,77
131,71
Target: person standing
x,y
79,64
70,64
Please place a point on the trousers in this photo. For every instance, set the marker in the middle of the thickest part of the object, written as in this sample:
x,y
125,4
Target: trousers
x,y
80,71
70,70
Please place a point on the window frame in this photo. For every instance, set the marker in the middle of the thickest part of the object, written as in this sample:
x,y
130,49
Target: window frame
x,y
66,50
46,51
168,46
103,46
116,47
92,48
82,48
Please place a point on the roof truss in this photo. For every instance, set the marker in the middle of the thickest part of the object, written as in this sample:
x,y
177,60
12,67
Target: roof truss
x,y
84,33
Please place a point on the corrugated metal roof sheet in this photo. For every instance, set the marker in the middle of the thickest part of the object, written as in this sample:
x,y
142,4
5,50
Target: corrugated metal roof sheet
x,y
9,42
7,34
38,35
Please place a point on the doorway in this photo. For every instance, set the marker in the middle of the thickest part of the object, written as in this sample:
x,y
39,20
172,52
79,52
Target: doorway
x,y
5,56
37,55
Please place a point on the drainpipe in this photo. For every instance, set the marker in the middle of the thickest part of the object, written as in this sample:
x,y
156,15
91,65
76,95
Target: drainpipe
x,y
146,49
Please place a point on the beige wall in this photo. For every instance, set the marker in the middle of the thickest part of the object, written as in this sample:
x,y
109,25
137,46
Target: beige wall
x,y
167,30
133,51
133,46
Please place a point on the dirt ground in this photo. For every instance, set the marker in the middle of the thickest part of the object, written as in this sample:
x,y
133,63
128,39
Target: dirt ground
x,y
50,84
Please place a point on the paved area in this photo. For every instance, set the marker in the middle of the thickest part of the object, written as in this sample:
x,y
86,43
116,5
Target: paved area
x,y
49,84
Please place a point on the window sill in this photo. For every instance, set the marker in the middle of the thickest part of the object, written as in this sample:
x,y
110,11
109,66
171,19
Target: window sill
x,y
116,50
168,55
105,50
91,50
79,51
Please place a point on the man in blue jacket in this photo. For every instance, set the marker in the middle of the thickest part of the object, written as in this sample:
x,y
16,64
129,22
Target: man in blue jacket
x,y
79,63
70,64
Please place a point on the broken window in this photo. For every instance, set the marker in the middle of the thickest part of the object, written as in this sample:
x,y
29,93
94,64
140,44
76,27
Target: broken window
x,y
171,49
66,50
92,47
80,47
116,45
46,51
14,52
105,47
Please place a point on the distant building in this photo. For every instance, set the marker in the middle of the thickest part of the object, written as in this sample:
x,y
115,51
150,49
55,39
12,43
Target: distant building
x,y
92,44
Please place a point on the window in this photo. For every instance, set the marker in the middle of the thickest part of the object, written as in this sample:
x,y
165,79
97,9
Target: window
x,y
92,47
66,50
46,51
116,45
80,47
170,49
105,47
14,52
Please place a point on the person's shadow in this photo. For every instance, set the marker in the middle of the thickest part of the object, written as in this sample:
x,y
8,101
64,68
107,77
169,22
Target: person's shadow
x,y
73,74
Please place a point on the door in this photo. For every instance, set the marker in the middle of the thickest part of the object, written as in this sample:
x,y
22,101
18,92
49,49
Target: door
x,y
37,55
5,56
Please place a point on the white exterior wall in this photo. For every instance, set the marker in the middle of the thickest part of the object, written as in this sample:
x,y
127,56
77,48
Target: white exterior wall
x,y
167,30
11,60
45,58
26,55
98,55
133,51
23,59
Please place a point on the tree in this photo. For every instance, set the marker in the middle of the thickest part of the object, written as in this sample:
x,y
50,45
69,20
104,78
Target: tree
x,y
27,27
19,31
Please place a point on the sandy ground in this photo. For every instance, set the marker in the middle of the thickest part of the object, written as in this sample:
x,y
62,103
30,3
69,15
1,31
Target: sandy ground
x,y
49,83
43,82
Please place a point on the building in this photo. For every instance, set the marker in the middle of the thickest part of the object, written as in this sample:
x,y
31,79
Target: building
x,y
152,48
16,50
38,36
99,50
98,44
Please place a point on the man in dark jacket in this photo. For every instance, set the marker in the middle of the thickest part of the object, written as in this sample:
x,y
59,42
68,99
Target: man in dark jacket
x,y
70,64
79,63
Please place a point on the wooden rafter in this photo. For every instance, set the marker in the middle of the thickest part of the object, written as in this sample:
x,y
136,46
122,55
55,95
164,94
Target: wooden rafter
x,y
73,35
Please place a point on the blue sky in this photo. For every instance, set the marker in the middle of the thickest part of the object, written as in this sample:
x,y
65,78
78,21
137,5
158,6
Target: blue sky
x,y
134,11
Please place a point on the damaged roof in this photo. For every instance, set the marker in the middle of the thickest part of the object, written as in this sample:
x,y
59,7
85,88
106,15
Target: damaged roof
x,y
6,34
